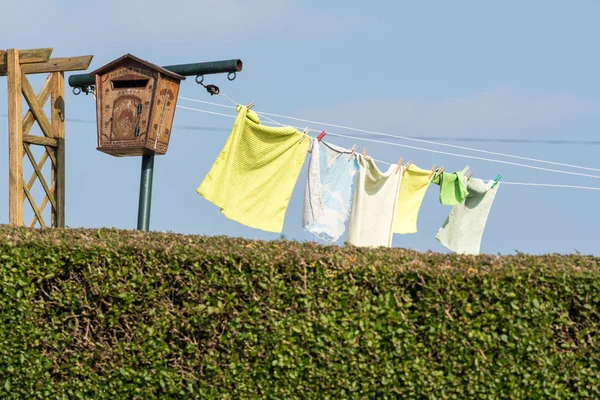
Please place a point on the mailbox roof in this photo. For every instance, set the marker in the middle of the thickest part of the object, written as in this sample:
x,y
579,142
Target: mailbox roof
x,y
119,60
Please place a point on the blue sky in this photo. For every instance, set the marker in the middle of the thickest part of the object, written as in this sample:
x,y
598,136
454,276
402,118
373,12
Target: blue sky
x,y
511,69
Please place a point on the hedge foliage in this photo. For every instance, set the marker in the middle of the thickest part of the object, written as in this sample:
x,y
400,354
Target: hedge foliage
x,y
107,314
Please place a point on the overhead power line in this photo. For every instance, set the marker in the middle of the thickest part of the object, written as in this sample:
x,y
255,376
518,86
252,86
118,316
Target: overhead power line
x,y
451,139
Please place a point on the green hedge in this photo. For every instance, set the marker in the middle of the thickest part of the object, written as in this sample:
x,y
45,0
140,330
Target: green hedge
x,y
107,314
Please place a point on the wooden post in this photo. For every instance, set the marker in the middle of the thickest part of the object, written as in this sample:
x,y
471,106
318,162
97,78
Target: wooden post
x,y
58,123
15,138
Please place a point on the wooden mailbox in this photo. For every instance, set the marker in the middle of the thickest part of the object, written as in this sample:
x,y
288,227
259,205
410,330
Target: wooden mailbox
x,y
135,107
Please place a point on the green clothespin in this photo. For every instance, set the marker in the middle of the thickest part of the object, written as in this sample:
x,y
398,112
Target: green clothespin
x,y
497,180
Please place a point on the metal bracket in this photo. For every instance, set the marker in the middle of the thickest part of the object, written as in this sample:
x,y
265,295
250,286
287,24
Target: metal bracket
x,y
85,89
212,89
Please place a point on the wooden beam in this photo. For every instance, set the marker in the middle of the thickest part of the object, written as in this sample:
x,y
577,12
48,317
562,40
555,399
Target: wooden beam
x,y
36,211
50,151
42,207
42,97
59,65
36,109
15,139
27,56
40,140
34,175
40,175
58,123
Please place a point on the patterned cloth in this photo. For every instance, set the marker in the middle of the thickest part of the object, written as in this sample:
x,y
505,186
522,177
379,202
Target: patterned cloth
x,y
328,190
254,175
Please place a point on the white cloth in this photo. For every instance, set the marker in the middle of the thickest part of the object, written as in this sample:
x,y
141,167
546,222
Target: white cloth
x,y
374,205
463,229
328,190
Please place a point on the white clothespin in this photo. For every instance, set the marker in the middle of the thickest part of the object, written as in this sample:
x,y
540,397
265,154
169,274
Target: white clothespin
x,y
304,134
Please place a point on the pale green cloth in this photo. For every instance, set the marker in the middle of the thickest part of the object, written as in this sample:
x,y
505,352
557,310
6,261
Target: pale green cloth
x,y
463,229
453,189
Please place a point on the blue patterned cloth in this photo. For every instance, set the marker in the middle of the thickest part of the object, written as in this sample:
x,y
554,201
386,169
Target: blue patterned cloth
x,y
328,191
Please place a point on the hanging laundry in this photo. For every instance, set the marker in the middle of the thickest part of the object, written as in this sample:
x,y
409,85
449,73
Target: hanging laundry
x,y
374,205
464,226
254,175
415,182
328,190
453,189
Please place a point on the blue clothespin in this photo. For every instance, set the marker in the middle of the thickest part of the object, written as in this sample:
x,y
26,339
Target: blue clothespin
x,y
497,180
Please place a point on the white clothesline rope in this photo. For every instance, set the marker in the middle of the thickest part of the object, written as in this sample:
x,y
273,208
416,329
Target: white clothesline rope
x,y
550,185
437,151
397,136
558,171
384,162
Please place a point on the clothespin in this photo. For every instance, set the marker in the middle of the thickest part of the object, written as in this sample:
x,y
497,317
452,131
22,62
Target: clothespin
x,y
399,164
439,171
321,135
365,152
468,173
408,164
432,171
354,148
304,134
249,106
497,180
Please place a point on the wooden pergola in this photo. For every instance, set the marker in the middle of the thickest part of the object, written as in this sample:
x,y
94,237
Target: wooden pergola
x,y
16,65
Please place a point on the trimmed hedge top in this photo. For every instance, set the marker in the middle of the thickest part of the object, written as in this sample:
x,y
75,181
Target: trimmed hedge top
x,y
125,314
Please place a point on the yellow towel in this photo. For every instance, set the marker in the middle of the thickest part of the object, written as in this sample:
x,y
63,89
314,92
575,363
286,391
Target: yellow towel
x,y
415,182
254,175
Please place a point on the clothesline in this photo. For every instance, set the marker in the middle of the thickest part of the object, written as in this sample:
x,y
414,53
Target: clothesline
x,y
396,136
435,151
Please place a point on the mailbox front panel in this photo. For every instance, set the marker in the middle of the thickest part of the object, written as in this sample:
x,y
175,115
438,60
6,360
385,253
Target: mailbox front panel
x,y
125,102
126,118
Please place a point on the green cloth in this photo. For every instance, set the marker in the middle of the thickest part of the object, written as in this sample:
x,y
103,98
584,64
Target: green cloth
x,y
453,189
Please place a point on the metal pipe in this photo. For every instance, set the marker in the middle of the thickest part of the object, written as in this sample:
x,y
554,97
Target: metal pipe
x,y
204,68
145,202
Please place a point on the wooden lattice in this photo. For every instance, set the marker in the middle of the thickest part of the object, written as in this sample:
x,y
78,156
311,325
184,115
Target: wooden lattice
x,y
16,64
